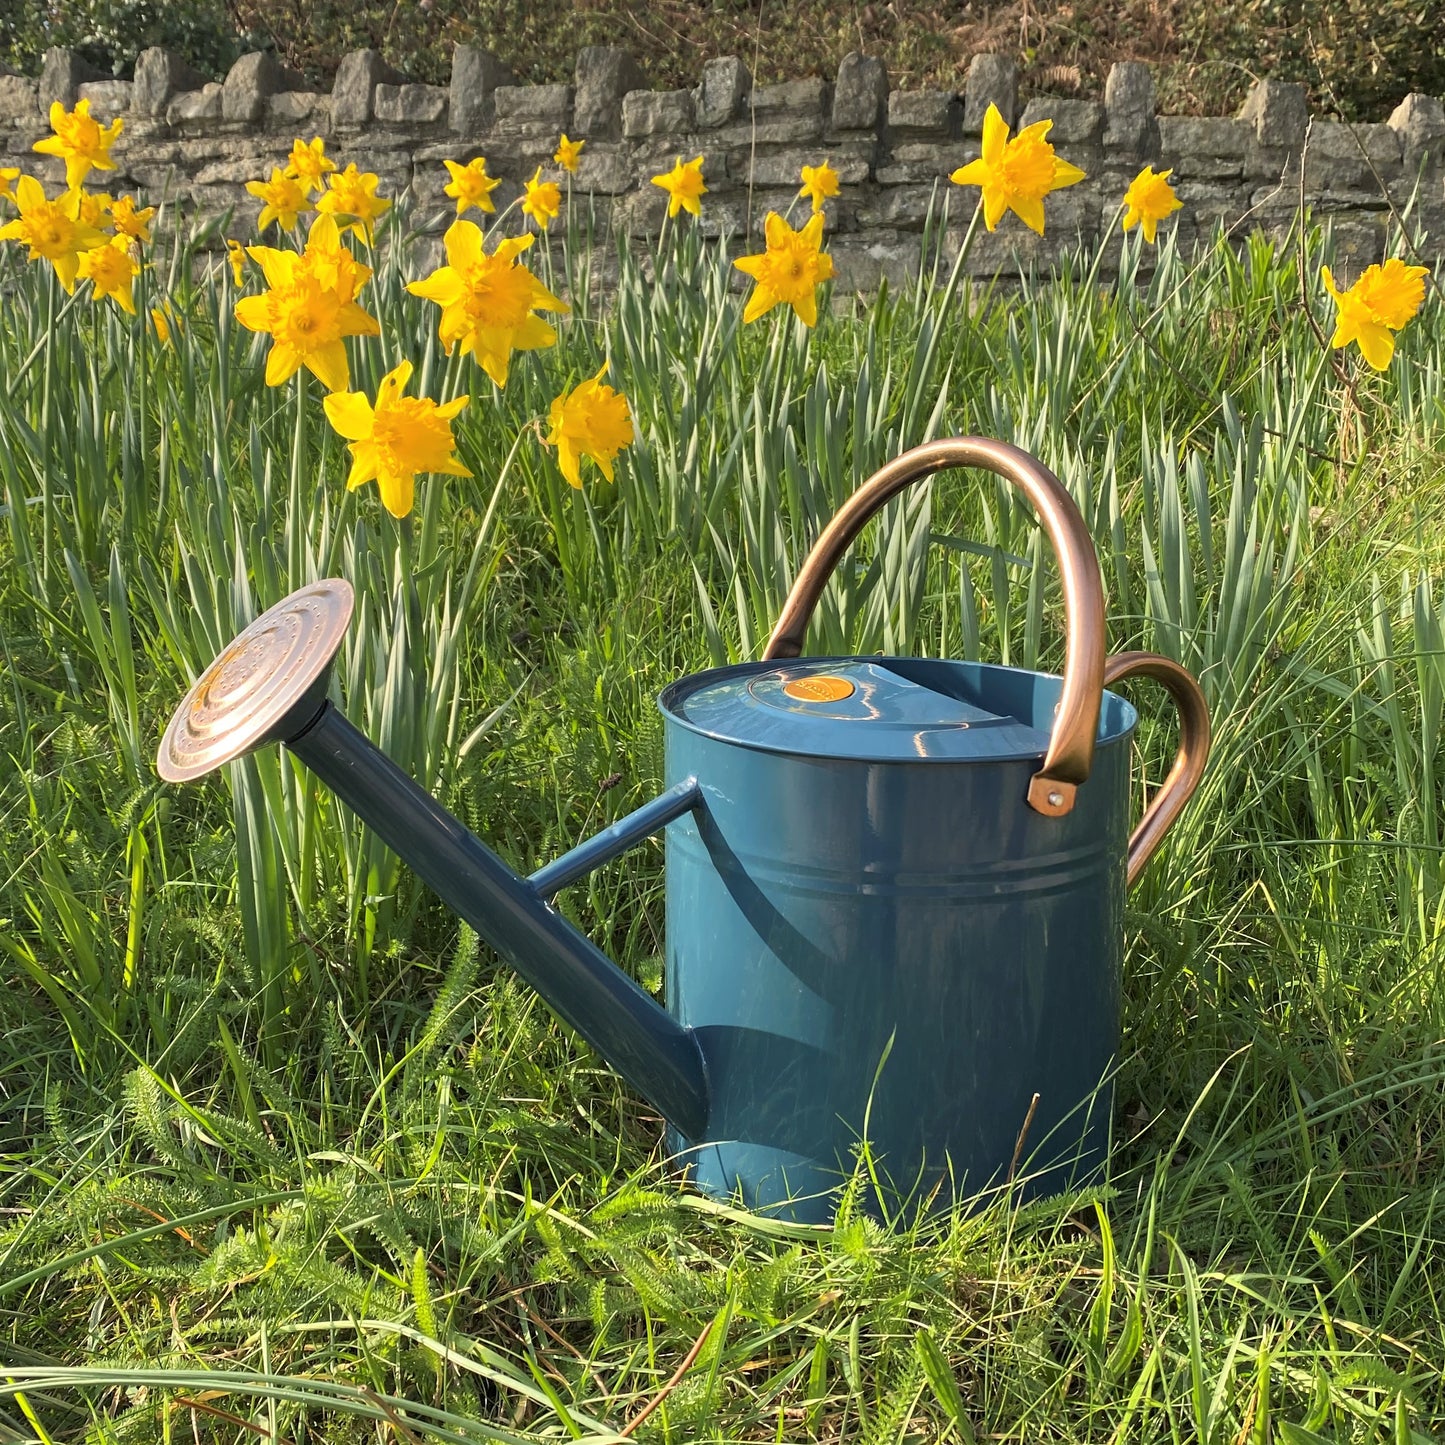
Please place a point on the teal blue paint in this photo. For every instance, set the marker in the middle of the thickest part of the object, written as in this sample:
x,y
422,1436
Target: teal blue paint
x,y
890,893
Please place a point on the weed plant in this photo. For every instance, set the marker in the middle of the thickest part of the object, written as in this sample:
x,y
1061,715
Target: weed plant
x,y
287,1156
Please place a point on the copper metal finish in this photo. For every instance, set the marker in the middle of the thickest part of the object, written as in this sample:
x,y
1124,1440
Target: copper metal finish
x,y
1194,734
247,696
1071,748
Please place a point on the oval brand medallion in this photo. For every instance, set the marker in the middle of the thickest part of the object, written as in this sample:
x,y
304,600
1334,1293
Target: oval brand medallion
x,y
821,687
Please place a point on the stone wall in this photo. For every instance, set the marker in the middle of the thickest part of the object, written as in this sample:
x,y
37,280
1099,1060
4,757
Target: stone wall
x,y
197,142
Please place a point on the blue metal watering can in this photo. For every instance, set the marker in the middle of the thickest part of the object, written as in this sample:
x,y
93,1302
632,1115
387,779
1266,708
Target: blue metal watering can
x,y
895,888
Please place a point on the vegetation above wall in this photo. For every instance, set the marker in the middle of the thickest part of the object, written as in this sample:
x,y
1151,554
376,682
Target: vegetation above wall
x,y
1357,56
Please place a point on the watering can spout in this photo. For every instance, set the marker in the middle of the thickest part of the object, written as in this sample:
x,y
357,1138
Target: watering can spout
x,y
269,686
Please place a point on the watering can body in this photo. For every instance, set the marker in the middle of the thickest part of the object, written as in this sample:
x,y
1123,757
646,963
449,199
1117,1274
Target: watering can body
x,y
891,952
895,887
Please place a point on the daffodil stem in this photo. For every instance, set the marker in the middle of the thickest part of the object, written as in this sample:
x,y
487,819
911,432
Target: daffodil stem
x,y
951,288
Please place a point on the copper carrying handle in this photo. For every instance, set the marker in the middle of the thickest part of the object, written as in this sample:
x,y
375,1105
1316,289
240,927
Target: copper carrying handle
x,y
1071,747
1189,762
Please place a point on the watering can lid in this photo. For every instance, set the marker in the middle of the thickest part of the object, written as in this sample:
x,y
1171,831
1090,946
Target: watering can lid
x,y
871,709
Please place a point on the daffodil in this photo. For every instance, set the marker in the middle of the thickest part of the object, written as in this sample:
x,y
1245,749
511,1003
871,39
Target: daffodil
x,y
1380,303
52,229
79,140
542,201
1015,175
8,176
1149,199
488,300
330,262
684,187
789,270
471,185
283,199
166,323
309,163
591,420
111,271
127,220
94,208
305,318
398,438
820,183
351,197
568,153
236,256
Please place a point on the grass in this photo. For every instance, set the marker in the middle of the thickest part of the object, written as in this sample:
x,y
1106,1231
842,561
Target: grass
x,y
286,1156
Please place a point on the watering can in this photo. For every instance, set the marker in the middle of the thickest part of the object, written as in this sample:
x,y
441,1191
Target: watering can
x,y
895,887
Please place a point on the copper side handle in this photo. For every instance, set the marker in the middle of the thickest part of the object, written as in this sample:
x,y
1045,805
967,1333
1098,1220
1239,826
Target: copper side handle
x,y
1194,733
1071,747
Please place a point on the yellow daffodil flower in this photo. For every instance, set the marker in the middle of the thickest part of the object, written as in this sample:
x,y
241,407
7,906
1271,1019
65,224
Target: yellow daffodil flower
x,y
309,163
79,140
471,185
52,229
127,220
542,201
1149,199
398,438
236,256
351,197
1015,175
684,187
330,262
592,420
1381,302
94,209
305,317
283,198
166,323
8,176
820,183
568,153
488,301
111,271
789,271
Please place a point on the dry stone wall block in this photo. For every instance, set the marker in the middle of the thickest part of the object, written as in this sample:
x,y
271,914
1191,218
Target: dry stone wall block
x,y
1341,157
1278,113
992,80
108,98
476,74
726,84
159,75
860,93
1204,147
864,263
923,113
1075,122
297,107
410,104
18,98
62,73
354,89
791,97
923,161
249,83
534,110
1419,121
1129,108
604,168
605,73
785,168
193,106
656,112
